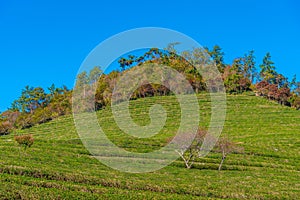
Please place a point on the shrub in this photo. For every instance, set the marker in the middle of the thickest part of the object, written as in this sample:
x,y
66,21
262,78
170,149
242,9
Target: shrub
x,y
296,102
5,127
24,121
25,140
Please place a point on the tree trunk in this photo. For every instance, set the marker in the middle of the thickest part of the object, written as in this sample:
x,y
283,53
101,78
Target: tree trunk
x,y
223,158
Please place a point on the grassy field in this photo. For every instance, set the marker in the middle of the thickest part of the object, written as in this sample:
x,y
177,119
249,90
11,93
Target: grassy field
x,y
58,166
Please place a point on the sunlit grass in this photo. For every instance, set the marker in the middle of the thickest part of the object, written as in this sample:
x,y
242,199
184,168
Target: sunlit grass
x,y
58,165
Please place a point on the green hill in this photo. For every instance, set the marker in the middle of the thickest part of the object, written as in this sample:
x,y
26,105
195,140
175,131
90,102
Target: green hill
x,y
58,166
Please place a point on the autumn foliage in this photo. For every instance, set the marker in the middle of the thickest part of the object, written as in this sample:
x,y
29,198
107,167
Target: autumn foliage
x,y
25,140
273,92
95,88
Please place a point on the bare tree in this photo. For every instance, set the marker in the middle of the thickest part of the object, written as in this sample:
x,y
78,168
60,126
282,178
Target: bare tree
x,y
187,152
225,146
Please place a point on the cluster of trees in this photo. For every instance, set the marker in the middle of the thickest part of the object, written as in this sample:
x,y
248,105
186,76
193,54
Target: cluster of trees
x,y
35,106
276,86
240,76
189,153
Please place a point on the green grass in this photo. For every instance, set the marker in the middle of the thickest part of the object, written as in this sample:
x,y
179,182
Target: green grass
x,y
58,166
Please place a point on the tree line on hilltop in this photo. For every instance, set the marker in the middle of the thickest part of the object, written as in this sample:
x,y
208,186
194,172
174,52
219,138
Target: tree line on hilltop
x,y
36,106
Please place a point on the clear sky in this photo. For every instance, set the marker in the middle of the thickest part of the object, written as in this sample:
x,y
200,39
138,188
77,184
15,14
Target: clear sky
x,y
45,42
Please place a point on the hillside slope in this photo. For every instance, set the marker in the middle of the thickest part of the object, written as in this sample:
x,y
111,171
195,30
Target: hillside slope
x,y
58,166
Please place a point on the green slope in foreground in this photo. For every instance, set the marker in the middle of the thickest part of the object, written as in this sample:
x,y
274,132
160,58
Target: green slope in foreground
x,y
58,166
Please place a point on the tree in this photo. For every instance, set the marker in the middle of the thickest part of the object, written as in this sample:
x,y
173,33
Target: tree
x,y
94,75
235,82
60,103
295,101
187,152
293,83
52,90
283,95
273,92
249,69
218,57
297,89
31,99
282,81
295,86
122,62
231,80
267,67
82,81
225,146
171,47
237,65
129,61
262,88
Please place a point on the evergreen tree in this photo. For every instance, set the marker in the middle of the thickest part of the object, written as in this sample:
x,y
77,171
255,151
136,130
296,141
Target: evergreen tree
x,y
249,69
218,56
267,67
31,99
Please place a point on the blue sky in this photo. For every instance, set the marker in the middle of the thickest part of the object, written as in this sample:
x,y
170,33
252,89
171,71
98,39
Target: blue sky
x,y
45,42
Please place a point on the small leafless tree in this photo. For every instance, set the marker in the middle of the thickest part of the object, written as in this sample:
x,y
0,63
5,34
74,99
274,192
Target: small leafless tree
x,y
187,152
225,146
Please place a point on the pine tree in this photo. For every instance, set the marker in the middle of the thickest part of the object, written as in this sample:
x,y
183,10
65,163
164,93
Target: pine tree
x,y
268,72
